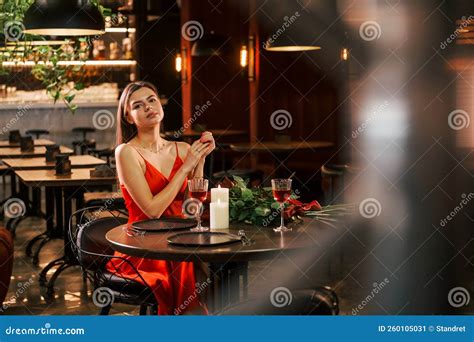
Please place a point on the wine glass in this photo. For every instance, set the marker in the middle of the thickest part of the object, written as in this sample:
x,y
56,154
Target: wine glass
x,y
281,189
198,190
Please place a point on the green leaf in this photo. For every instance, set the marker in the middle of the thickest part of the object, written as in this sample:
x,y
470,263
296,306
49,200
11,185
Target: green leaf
x,y
275,205
247,194
69,98
240,182
243,215
262,211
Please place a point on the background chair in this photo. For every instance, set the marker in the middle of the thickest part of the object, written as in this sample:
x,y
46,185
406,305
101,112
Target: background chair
x,y
83,145
37,133
87,229
318,301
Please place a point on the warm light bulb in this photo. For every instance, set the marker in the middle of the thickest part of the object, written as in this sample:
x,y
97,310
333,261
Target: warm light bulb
x,y
178,63
345,54
243,56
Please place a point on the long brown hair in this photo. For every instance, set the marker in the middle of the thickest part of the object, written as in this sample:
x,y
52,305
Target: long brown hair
x,y
127,131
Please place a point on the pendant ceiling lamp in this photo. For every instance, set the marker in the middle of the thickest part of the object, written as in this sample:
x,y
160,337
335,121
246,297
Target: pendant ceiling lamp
x,y
298,33
41,41
64,18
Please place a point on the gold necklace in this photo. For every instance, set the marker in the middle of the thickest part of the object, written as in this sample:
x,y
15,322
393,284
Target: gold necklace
x,y
154,151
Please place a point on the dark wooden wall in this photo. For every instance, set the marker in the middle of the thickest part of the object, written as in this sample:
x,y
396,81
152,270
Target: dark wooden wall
x,y
309,85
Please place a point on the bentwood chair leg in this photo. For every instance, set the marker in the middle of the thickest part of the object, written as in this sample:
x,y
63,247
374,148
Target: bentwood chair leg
x,y
154,309
143,309
105,310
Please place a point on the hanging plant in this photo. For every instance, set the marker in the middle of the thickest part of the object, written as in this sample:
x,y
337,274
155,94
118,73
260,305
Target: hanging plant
x,y
62,81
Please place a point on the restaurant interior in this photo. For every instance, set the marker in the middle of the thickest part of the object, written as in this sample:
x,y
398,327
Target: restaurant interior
x,y
323,157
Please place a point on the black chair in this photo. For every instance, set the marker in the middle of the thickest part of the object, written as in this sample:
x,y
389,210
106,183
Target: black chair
x,y
83,131
36,133
107,199
318,301
106,153
4,171
84,145
87,230
333,182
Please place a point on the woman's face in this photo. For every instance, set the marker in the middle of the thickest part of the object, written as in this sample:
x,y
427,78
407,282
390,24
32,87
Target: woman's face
x,y
145,109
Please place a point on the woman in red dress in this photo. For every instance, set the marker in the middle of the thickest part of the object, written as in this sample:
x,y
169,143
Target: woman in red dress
x,y
153,174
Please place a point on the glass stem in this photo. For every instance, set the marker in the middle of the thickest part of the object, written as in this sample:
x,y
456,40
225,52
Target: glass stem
x,y
199,221
282,205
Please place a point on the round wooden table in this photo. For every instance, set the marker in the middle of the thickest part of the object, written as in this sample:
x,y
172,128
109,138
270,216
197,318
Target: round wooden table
x,y
276,147
227,263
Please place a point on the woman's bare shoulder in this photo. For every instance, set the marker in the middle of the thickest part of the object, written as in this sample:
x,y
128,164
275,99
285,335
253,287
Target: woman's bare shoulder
x,y
126,152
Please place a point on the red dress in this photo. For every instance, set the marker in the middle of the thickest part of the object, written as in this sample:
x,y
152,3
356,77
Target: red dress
x,y
173,283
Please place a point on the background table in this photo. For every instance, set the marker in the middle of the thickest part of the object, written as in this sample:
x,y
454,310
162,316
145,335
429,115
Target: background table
x,y
189,136
36,142
280,150
39,163
39,151
60,191
275,147
228,262
34,206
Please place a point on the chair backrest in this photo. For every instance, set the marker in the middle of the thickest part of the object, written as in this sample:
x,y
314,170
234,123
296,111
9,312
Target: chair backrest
x,y
88,236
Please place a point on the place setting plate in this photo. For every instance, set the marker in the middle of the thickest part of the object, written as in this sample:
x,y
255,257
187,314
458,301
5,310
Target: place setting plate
x,y
203,239
162,224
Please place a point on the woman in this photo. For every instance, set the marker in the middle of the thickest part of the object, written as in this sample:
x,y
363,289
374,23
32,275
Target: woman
x,y
153,174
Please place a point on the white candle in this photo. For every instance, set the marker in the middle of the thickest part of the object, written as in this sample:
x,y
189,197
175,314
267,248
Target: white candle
x,y
219,215
220,194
